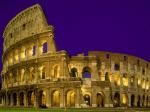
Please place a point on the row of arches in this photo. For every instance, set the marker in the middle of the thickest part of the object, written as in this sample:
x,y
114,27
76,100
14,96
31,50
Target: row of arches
x,y
19,99
69,99
139,101
86,72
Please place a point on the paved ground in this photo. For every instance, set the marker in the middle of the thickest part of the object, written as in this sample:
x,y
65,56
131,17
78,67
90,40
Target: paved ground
x,y
75,110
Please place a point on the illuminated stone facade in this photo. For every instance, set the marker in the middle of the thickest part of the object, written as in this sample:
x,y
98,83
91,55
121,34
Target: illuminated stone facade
x,y
35,74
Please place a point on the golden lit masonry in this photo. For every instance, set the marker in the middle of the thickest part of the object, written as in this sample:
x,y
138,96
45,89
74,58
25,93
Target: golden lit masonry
x,y
35,74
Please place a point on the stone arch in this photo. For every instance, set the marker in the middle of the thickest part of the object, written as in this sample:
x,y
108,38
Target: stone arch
x,y
44,46
87,99
31,98
107,76
117,99
100,99
70,98
74,72
132,80
55,97
42,98
86,72
55,71
22,77
139,101
43,72
117,66
132,100
100,75
21,97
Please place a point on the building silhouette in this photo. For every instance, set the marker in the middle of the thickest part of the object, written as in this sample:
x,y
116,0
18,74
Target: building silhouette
x,y
36,74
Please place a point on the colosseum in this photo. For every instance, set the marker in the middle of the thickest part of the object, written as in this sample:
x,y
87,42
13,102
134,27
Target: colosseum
x,y
35,74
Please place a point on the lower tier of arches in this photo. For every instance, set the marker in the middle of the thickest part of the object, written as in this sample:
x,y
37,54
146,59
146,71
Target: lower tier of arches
x,y
72,97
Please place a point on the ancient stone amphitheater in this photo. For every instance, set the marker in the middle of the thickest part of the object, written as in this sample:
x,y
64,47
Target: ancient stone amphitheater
x,y
35,74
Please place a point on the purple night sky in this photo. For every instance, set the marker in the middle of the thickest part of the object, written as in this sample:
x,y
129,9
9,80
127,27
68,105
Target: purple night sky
x,y
85,25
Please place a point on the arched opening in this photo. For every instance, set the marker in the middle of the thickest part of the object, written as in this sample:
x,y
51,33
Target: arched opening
x,y
74,72
132,80
70,98
14,99
22,75
86,72
55,99
87,99
45,47
100,99
117,67
34,50
116,99
32,70
55,71
31,98
107,77
100,76
21,99
42,97
139,101
43,72
132,100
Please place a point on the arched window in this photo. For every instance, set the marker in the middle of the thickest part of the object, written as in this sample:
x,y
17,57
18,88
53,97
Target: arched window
x,y
74,72
32,70
86,73
107,77
55,71
132,80
43,73
116,99
45,47
55,98
33,50
22,75
87,99
117,67
42,97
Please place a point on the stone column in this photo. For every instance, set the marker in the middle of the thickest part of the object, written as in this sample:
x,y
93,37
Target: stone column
x,y
62,98
36,104
129,99
108,102
93,97
120,98
77,100
49,98
37,73
11,96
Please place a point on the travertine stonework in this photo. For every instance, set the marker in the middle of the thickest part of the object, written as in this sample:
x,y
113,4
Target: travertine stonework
x,y
35,74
